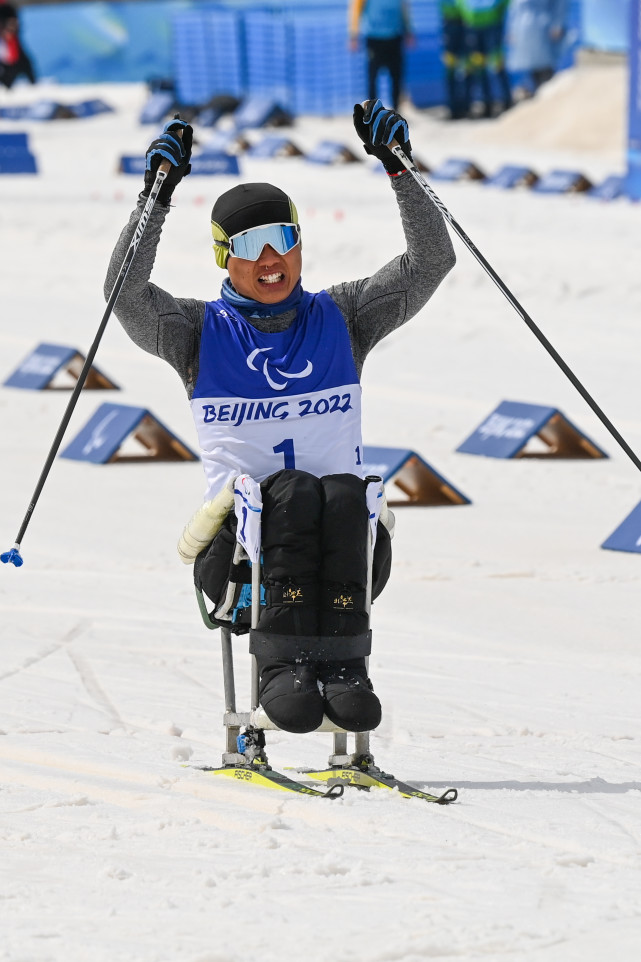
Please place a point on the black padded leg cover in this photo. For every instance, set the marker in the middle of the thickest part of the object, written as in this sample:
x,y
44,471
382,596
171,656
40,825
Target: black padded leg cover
x,y
212,566
344,555
292,506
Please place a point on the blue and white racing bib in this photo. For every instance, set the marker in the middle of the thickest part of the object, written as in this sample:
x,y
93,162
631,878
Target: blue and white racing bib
x,y
263,402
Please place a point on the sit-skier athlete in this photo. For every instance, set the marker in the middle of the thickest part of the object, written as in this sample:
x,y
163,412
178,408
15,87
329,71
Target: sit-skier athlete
x,y
272,373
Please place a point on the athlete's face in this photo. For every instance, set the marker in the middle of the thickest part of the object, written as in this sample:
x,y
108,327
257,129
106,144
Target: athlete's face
x,y
269,279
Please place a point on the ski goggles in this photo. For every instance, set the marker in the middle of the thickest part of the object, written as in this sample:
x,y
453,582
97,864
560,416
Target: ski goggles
x,y
249,244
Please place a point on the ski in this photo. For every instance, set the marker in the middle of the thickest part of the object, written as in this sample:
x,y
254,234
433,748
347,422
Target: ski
x,y
268,778
372,777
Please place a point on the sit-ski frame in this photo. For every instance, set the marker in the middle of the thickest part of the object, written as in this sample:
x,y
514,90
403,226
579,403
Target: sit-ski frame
x,y
256,719
245,758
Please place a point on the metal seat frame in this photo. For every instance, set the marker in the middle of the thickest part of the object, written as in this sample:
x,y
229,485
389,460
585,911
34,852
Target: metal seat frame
x,y
255,720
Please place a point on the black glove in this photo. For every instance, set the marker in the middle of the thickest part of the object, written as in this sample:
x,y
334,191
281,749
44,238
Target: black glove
x,y
377,126
177,150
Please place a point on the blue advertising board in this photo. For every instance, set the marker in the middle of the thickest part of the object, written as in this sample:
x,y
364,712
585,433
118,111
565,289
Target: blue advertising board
x,y
604,24
633,182
203,165
15,156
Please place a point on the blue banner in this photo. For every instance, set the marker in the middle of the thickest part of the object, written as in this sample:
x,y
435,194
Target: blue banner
x,y
634,139
101,42
604,24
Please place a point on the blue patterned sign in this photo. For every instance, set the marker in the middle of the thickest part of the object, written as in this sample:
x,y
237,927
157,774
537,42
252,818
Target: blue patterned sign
x,y
40,367
507,430
627,536
112,424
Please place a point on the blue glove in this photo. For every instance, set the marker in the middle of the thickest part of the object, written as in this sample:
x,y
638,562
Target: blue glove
x,y
175,149
377,126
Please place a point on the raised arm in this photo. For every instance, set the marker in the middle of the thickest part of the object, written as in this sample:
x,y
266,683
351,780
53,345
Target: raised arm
x,y
159,323
375,306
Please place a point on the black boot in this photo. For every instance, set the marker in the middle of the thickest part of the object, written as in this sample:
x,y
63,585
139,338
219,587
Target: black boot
x,y
349,698
290,695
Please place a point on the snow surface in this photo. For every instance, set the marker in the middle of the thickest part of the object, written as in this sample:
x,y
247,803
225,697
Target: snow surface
x,y
506,646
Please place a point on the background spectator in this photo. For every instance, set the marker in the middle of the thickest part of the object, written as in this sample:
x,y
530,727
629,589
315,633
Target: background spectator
x,y
454,59
535,30
385,25
14,61
484,22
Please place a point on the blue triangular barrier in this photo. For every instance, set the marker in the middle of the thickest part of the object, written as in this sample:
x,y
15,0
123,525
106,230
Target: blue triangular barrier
x,y
219,105
627,536
508,429
90,108
52,110
562,182
225,141
610,189
410,474
44,110
112,424
509,177
204,165
37,371
15,156
331,152
157,107
261,112
15,112
457,168
274,147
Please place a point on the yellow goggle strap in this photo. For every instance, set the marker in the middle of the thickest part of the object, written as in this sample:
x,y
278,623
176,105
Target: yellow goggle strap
x,y
221,239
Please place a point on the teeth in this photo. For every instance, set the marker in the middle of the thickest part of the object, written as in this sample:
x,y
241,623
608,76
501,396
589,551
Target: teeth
x,y
271,278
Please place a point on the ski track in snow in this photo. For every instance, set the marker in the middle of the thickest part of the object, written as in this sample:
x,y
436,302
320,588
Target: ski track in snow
x,y
505,647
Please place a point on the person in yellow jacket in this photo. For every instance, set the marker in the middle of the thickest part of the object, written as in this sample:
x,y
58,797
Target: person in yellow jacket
x,y
484,24
454,58
385,27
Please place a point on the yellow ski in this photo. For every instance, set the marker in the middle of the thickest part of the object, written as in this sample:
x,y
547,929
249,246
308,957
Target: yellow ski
x,y
374,778
268,778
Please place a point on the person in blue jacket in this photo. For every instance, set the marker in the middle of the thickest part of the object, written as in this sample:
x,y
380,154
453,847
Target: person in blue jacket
x,y
385,26
535,33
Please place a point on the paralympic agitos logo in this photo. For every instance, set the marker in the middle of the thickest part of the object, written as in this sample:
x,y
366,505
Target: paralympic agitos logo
x,y
269,368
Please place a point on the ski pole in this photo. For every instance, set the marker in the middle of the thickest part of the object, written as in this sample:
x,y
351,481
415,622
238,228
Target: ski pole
x,y
13,555
487,267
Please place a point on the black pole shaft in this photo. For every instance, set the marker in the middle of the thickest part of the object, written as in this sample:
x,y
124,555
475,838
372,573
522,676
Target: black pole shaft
x,y
126,264
538,333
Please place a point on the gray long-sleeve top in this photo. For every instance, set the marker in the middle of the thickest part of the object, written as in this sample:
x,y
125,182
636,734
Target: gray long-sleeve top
x,y
170,327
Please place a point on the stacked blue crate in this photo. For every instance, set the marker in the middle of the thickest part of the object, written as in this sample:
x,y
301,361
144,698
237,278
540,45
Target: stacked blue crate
x,y
269,56
329,78
208,54
424,81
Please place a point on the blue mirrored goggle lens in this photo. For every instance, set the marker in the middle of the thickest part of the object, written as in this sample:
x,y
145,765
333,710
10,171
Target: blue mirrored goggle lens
x,y
249,245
